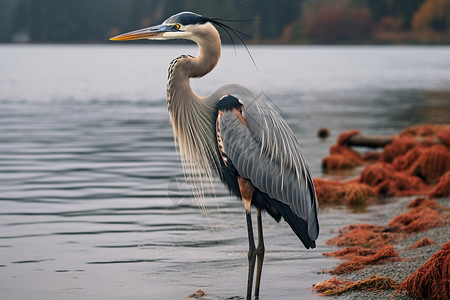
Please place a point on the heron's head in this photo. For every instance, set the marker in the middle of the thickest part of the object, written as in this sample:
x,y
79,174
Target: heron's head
x,y
184,25
188,26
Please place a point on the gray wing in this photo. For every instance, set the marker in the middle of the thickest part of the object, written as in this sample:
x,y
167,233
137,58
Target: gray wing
x,y
268,154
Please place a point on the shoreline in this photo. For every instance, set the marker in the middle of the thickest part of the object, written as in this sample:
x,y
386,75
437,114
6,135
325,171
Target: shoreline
x,y
399,270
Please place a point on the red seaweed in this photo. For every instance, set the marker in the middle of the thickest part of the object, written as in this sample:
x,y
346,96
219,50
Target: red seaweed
x,y
432,279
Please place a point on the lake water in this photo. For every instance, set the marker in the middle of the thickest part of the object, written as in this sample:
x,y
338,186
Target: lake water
x,y
90,205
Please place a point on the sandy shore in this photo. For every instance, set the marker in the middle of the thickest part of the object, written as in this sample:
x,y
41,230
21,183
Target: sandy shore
x,y
402,269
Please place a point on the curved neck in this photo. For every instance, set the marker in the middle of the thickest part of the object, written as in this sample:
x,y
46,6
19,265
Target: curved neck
x,y
185,67
209,54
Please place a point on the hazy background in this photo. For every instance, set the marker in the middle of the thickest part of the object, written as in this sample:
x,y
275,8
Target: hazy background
x,y
282,21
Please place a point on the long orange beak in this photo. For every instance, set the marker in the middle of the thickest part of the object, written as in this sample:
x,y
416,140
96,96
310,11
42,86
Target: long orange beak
x,y
147,33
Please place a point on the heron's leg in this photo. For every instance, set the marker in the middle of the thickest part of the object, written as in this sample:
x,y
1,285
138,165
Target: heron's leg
x,y
259,253
246,189
251,254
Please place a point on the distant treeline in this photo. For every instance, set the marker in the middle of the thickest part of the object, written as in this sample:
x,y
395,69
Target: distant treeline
x,y
281,21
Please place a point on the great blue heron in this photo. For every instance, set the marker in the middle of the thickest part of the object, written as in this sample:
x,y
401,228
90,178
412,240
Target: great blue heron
x,y
235,134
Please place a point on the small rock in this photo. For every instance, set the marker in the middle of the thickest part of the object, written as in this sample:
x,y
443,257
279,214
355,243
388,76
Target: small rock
x,y
323,132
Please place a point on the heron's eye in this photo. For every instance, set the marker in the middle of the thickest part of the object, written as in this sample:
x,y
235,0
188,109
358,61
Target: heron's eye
x,y
176,26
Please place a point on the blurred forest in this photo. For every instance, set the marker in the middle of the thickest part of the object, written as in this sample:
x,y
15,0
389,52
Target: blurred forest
x,y
282,21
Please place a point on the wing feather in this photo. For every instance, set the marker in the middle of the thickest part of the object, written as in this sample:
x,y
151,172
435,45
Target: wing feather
x,y
267,153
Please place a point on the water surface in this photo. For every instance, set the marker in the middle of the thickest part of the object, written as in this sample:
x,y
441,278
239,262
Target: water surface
x,y
90,207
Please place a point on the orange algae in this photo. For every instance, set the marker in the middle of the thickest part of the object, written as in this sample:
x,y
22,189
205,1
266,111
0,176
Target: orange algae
x,y
422,243
336,286
417,219
399,146
341,156
431,164
336,192
427,159
198,294
423,201
432,279
404,161
358,262
387,181
343,137
404,168
350,252
444,136
372,156
442,189
338,162
413,136
363,235
329,286
423,214
416,160
357,193
326,190
427,165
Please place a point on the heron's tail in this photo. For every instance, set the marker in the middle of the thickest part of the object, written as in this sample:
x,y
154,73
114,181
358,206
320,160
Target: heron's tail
x,y
298,225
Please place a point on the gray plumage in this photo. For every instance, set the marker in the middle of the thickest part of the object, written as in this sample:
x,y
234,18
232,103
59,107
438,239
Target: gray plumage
x,y
267,153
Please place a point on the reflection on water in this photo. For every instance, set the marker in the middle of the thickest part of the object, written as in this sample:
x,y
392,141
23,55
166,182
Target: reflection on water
x,y
91,205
